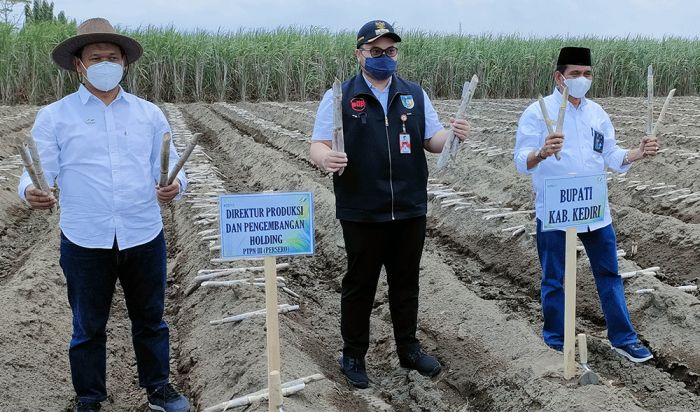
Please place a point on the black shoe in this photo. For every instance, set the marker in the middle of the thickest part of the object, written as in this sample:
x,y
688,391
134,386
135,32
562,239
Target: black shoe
x,y
416,359
86,407
354,371
167,399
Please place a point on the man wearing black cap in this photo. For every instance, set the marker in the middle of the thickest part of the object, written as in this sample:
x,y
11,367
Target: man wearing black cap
x,y
587,145
381,197
102,145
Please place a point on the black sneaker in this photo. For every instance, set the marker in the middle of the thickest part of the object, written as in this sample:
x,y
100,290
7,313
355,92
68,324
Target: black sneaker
x,y
167,399
416,359
354,370
86,407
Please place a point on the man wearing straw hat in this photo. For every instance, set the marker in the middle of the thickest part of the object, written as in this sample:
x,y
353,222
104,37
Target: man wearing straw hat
x,y
381,198
102,146
586,145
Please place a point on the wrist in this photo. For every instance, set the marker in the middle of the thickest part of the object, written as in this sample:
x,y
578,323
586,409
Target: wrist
x,y
634,155
631,156
538,155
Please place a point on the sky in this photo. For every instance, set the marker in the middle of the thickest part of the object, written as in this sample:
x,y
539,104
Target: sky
x,y
540,18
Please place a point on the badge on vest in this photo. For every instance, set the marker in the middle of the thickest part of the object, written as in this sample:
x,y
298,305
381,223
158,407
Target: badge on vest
x,y
598,140
405,143
358,104
404,137
407,101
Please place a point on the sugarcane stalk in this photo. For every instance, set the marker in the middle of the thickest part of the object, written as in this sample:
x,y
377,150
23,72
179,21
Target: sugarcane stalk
x,y
650,100
287,390
688,288
545,115
338,143
285,386
31,171
562,113
206,274
547,120
518,231
236,282
507,214
36,162
185,155
449,150
29,165
627,275
663,112
291,292
164,159
257,313
562,110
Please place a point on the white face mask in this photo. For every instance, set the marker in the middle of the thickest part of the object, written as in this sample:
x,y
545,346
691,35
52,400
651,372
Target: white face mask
x,y
105,76
578,87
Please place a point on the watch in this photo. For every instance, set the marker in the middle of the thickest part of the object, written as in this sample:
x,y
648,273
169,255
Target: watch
x,y
539,154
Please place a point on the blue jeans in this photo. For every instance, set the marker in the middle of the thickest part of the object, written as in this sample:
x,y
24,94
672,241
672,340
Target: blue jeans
x,y
601,247
91,275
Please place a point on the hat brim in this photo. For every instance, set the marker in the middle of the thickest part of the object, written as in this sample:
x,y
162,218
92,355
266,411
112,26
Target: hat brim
x,y
395,37
65,51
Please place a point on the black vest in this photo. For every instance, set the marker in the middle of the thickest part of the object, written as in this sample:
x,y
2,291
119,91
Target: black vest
x,y
380,183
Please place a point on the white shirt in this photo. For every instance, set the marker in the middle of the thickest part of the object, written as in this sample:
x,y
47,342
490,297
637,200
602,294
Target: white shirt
x,y
323,125
577,154
106,160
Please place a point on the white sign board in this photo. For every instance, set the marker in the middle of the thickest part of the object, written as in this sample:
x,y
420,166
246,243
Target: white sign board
x,y
266,224
577,200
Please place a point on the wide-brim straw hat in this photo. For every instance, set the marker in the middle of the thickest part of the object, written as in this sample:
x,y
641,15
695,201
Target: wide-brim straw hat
x,y
96,30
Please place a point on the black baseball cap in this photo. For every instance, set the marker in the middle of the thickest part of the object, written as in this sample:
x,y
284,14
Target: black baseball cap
x,y
375,29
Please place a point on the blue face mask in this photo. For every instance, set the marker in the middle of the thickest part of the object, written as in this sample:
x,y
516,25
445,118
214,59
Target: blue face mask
x,y
380,68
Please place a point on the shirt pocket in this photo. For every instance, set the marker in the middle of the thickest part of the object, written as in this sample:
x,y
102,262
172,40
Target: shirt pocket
x,y
138,141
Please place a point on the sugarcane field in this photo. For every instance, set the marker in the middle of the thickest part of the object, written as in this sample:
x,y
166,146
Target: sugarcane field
x,y
197,219
479,283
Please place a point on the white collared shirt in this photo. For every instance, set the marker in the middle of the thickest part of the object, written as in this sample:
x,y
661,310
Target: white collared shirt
x,y
577,154
323,125
106,160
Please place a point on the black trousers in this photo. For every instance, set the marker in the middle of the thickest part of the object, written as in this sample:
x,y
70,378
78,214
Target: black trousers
x,y
396,245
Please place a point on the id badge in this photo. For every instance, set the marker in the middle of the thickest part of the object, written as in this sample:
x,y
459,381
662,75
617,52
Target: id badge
x,y
598,141
405,143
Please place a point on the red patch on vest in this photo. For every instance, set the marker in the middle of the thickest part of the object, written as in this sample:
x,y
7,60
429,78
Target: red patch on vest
x,y
358,104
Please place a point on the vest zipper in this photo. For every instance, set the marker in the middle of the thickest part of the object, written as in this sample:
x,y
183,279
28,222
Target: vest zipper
x,y
391,182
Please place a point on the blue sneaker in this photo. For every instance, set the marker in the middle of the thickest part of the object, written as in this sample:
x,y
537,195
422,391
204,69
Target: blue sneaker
x,y
167,399
558,348
636,352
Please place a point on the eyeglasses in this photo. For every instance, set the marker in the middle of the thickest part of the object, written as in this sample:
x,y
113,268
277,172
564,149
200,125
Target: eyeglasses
x,y
378,51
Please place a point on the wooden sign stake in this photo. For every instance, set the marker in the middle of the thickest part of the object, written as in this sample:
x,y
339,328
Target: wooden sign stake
x,y
273,338
570,305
